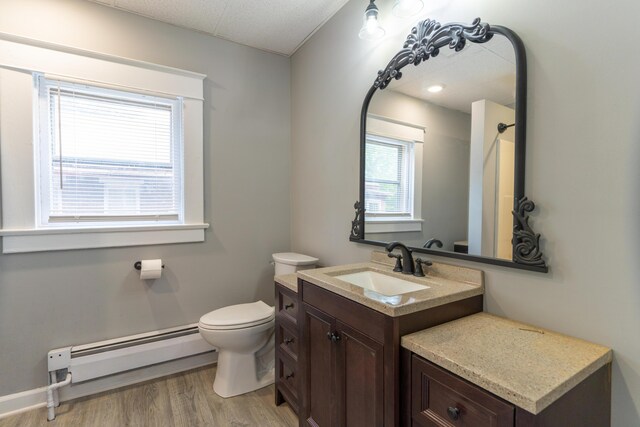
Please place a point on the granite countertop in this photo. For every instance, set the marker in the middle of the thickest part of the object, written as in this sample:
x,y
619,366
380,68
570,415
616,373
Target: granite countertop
x,y
289,281
525,365
446,284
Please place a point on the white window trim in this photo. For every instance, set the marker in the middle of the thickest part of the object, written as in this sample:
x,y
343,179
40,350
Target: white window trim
x,y
394,129
393,225
39,240
20,58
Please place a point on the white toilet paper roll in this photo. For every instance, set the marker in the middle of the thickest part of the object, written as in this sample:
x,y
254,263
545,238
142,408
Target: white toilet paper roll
x,y
151,269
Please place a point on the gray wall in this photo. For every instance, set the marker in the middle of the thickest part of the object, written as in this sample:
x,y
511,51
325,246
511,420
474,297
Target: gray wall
x,y
445,190
582,154
445,171
56,299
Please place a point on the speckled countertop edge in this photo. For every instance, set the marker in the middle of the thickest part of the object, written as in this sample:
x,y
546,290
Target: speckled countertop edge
x,y
441,290
534,400
289,281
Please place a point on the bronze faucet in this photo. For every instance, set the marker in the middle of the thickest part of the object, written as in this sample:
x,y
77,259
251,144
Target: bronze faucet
x,y
408,266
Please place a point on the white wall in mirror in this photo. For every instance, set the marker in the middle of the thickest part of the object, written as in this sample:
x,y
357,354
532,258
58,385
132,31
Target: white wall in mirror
x,y
490,181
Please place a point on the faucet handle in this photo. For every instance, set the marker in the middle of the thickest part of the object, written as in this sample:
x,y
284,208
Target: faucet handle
x,y
419,263
398,257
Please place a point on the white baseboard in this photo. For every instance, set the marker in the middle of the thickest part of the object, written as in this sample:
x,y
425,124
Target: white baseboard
x,y
13,404
24,401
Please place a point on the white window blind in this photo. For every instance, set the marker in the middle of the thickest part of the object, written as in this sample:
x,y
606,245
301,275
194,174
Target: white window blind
x,y
108,156
388,177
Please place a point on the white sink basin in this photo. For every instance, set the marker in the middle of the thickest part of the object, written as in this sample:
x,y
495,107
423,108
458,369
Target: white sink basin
x,y
381,283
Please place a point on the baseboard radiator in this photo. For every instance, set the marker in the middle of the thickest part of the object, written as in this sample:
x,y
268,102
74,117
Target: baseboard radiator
x,y
81,363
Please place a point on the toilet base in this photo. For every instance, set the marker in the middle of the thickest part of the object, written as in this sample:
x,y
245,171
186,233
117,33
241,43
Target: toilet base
x,y
237,374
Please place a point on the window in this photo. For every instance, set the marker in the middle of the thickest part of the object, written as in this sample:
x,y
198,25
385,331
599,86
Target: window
x,y
98,151
108,156
393,176
389,177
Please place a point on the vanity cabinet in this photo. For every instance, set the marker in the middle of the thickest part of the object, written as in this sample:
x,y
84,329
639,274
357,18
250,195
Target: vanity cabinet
x,y
439,398
484,370
349,357
287,347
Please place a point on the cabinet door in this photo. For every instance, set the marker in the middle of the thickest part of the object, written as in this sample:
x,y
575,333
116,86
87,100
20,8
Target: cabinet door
x,y
359,378
319,407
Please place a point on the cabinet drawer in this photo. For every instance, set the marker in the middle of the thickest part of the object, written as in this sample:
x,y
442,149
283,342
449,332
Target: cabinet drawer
x,y
287,377
287,305
287,341
440,398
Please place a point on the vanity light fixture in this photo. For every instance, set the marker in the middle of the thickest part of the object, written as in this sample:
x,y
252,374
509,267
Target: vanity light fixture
x,y
371,28
407,8
435,88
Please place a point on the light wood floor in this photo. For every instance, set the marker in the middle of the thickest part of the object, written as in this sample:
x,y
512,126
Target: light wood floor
x,y
186,399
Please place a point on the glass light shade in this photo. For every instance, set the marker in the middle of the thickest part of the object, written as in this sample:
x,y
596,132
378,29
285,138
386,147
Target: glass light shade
x,y
371,28
407,8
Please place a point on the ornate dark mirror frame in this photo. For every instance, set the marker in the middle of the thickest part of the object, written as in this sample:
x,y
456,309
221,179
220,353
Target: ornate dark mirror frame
x,y
424,42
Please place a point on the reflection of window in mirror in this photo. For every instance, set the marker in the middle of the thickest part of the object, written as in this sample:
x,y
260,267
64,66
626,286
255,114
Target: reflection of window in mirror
x,y
393,176
389,177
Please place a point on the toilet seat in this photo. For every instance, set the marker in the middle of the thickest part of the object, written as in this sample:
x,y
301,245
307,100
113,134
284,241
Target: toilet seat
x,y
239,316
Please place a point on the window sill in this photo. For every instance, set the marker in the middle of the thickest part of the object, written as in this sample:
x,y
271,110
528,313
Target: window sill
x,y
393,225
60,239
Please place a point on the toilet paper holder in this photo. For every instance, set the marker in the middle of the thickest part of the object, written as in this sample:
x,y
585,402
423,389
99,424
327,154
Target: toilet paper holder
x,y
138,265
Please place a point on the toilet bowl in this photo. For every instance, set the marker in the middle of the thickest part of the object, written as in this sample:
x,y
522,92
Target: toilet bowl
x,y
244,337
239,332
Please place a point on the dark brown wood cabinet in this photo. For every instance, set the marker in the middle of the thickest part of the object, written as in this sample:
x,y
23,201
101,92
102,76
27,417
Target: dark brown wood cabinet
x,y
287,347
319,399
339,364
442,399
360,373
349,357
345,373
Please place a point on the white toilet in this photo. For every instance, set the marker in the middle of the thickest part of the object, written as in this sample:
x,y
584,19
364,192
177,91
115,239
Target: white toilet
x,y
290,262
244,331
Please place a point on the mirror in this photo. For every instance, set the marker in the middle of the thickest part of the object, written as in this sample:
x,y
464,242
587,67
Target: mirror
x,y
443,145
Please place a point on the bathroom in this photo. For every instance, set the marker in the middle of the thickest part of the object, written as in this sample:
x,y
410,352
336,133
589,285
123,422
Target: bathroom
x,y
281,162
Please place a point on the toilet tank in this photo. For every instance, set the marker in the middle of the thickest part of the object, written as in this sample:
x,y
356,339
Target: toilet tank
x,y
290,262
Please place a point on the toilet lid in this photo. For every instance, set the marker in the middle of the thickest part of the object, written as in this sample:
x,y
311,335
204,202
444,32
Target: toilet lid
x,y
240,315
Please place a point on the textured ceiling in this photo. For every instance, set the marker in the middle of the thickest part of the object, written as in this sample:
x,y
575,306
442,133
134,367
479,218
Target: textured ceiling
x,y
279,26
479,71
